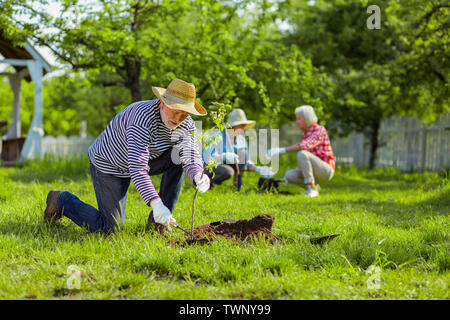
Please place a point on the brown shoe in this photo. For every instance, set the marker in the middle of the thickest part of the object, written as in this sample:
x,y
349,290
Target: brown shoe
x,y
51,212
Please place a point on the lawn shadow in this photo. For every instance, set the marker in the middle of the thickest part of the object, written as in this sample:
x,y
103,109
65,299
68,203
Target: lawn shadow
x,y
53,232
65,171
439,200
49,170
391,210
346,183
399,214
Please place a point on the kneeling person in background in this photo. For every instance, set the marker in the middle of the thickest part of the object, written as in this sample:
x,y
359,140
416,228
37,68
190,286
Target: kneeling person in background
x,y
231,152
314,153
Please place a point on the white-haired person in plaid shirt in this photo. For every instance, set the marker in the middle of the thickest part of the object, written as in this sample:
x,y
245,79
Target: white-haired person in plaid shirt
x,y
314,154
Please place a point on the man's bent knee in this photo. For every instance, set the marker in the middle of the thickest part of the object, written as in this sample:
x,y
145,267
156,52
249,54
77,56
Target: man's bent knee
x,y
111,228
111,224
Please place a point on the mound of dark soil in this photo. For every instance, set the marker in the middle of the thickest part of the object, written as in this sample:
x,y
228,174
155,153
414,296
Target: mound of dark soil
x,y
242,230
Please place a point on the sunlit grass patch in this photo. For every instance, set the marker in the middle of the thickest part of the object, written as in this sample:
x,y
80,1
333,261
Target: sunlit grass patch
x,y
396,222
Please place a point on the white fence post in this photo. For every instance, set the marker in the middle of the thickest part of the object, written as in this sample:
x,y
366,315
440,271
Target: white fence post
x,y
64,147
424,149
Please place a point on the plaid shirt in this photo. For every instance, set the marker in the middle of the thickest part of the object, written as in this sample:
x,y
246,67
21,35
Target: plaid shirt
x,y
316,141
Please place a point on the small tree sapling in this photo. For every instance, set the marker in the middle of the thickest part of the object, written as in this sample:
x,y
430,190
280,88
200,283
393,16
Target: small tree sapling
x,y
218,118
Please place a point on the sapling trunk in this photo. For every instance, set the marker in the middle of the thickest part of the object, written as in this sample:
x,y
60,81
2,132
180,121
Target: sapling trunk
x,y
193,208
237,178
193,211
236,175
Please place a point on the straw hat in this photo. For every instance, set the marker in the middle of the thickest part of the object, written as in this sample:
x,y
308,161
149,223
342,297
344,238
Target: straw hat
x,y
180,95
237,117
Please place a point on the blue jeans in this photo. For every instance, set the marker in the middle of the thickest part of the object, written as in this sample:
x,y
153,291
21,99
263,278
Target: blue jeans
x,y
111,194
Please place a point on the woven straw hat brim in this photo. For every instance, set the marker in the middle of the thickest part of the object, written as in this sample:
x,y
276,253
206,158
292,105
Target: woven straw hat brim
x,y
190,107
248,124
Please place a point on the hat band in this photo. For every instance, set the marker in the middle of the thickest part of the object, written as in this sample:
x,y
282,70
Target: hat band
x,y
181,94
177,100
239,122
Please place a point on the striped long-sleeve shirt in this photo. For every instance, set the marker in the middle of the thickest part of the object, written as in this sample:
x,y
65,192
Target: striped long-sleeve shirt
x,y
136,135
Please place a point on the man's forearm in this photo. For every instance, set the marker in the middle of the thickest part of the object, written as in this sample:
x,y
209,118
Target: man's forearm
x,y
144,184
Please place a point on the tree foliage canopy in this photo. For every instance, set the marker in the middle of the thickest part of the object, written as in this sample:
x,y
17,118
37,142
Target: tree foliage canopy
x,y
231,51
235,52
401,68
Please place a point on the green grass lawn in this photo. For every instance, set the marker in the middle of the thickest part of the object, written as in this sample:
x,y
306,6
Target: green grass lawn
x,y
397,222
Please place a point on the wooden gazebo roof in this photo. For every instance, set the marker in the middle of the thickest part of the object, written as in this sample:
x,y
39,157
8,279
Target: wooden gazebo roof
x,y
26,52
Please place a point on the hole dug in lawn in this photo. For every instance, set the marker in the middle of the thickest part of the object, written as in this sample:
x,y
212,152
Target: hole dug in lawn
x,y
241,230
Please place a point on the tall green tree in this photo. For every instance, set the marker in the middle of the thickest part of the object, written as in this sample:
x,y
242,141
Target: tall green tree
x,y
335,36
229,49
247,64
377,72
421,68
72,98
111,38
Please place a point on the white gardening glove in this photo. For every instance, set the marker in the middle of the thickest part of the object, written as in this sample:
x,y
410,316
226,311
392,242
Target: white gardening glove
x,y
162,214
266,172
228,158
275,151
201,182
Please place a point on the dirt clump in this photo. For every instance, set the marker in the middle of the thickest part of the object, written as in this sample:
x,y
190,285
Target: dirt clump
x,y
242,230
269,185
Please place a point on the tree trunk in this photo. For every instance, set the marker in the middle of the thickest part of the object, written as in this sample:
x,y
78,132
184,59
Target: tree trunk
x,y
135,90
133,75
374,143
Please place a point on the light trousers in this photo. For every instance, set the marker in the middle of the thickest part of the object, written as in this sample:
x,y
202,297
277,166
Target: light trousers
x,y
313,170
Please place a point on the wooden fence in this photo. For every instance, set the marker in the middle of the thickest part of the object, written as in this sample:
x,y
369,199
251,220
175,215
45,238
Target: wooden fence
x,y
66,147
405,143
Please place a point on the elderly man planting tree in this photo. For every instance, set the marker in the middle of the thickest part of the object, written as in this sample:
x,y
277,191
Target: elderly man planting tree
x,y
146,138
315,156
231,152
